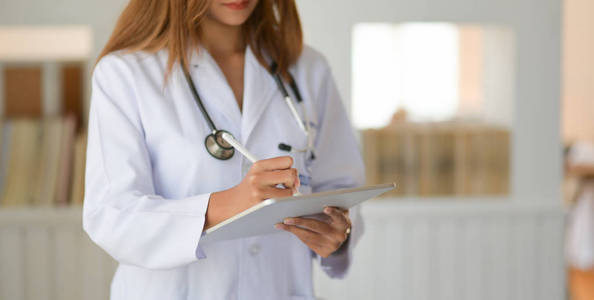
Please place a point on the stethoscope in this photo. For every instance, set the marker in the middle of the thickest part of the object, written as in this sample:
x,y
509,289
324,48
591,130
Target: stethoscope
x,y
216,144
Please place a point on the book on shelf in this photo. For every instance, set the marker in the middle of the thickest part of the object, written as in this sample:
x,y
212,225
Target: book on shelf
x,y
52,128
39,161
440,161
369,139
22,162
78,177
65,161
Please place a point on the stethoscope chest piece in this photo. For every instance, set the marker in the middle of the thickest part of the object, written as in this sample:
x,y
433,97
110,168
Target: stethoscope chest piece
x,y
217,146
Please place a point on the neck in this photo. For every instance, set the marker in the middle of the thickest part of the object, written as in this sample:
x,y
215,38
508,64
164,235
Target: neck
x,y
221,39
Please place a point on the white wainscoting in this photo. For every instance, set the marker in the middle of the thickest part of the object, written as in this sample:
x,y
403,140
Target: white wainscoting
x,y
457,250
420,250
44,254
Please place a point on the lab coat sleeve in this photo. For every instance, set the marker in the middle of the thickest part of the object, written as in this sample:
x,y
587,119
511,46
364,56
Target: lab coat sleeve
x,y
338,164
122,213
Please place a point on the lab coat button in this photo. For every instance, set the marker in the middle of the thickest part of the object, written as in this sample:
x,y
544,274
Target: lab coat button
x,y
254,249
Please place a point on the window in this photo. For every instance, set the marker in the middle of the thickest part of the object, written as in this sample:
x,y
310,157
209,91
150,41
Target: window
x,y
434,103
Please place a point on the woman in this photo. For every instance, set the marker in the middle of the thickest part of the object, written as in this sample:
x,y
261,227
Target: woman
x,y
152,187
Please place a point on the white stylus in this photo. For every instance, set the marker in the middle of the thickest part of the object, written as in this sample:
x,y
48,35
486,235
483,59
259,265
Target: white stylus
x,y
245,152
239,147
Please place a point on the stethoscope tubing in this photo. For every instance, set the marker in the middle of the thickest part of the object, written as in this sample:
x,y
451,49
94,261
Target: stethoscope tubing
x,y
222,152
287,97
194,91
296,116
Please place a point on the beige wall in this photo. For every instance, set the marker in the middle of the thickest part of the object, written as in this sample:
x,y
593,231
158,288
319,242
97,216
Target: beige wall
x,y
578,71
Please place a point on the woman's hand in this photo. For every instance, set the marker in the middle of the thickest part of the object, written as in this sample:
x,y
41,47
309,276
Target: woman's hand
x,y
323,237
259,183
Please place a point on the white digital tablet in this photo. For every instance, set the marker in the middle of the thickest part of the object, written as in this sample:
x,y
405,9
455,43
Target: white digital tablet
x,y
261,218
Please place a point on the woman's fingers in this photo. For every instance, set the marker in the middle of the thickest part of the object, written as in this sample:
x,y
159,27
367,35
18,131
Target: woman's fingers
x,y
272,172
273,192
277,163
339,217
306,236
310,224
317,242
288,178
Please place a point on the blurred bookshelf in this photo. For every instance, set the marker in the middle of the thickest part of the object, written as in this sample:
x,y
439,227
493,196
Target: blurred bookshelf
x,y
42,130
42,162
439,159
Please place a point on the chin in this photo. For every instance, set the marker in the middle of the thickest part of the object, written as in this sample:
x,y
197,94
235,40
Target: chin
x,y
232,16
233,20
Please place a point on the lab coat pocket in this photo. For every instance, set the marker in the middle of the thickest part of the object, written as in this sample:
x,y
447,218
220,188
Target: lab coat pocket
x,y
300,164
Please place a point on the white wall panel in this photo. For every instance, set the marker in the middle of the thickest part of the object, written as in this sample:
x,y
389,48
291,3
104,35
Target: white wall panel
x,y
409,251
12,258
447,251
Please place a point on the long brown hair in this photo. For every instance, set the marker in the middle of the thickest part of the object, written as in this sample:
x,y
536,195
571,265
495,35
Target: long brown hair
x,y
273,29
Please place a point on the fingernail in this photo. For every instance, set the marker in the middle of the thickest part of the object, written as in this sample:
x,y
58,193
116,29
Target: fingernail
x,y
327,210
289,221
278,226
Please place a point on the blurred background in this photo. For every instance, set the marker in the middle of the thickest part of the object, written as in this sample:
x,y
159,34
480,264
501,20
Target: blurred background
x,y
481,111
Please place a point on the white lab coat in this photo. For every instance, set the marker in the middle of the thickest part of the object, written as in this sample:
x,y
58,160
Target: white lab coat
x,y
149,177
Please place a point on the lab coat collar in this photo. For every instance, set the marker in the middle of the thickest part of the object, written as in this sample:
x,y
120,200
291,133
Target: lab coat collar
x,y
214,90
258,90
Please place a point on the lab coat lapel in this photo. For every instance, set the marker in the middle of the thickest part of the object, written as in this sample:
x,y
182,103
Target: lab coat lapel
x,y
214,90
258,90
